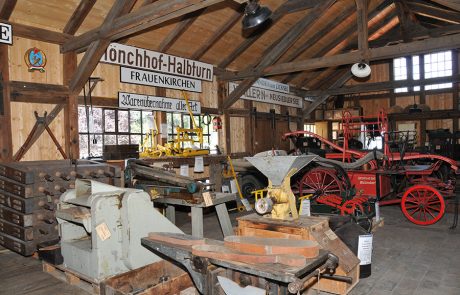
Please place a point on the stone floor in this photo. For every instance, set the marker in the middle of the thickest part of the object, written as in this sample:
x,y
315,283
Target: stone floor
x,y
407,259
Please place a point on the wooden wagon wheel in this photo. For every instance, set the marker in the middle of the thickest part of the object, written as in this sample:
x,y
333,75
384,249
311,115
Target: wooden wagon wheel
x,y
423,205
320,181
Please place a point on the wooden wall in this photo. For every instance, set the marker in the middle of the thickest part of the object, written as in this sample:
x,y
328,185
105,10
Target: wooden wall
x,y
22,113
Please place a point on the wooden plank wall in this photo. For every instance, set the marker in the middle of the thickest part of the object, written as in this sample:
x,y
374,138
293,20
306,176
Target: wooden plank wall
x,y
438,100
22,113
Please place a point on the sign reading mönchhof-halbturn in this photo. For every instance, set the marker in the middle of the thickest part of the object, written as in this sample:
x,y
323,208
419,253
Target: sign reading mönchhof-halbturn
x,y
269,96
155,103
141,77
149,60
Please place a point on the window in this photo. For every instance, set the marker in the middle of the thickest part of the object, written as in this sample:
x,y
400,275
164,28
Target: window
x,y
110,127
210,138
438,65
434,65
309,127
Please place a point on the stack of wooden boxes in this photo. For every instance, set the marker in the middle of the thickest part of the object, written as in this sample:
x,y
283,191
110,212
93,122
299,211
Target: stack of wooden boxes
x,y
29,192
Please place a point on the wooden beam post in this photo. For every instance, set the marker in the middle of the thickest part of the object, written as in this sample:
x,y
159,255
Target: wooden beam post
x,y
6,143
78,16
362,20
72,143
6,8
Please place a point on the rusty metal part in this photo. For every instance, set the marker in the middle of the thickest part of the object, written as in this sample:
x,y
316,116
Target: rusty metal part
x,y
268,246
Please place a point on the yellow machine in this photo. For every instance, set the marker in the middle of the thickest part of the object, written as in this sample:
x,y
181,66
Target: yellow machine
x,y
151,149
280,200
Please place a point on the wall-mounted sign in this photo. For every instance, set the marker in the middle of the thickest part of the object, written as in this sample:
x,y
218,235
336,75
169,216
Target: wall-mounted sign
x,y
6,33
156,103
145,59
271,85
141,77
35,59
268,96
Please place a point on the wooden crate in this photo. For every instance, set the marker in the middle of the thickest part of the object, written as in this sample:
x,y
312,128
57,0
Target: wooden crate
x,y
154,279
307,228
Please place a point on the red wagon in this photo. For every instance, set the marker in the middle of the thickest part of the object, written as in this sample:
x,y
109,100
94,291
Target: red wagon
x,y
347,179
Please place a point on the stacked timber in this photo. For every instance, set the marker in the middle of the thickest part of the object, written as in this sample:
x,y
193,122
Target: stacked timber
x,y
29,192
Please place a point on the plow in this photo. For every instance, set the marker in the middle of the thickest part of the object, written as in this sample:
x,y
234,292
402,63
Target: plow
x,y
351,181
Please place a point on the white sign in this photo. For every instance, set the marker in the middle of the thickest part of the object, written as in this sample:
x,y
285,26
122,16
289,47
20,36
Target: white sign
x,y
365,249
139,58
146,102
305,207
6,33
199,165
184,170
268,96
141,77
271,85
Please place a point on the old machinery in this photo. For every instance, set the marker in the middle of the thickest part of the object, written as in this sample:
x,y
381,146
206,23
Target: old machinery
x,y
101,227
181,146
280,200
247,265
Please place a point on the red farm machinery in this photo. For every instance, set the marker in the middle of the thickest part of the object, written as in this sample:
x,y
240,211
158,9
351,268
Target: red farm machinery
x,y
351,181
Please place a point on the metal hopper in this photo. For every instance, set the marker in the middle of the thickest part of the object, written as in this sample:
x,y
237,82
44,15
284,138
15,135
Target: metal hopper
x,y
275,168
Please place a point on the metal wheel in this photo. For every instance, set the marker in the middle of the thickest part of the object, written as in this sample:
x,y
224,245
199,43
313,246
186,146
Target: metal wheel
x,y
320,181
423,205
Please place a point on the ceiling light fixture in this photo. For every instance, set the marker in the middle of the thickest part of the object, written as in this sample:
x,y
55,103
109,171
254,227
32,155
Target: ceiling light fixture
x,y
361,70
255,15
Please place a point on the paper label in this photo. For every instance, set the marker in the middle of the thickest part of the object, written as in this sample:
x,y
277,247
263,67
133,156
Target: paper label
x,y
330,234
184,170
225,189
164,130
305,207
233,187
199,165
103,231
365,249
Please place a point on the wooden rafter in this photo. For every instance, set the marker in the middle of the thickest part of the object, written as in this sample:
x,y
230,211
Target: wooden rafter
x,y
452,4
179,29
6,8
388,52
78,16
98,47
381,86
435,12
362,20
217,35
138,21
279,47
39,34
316,37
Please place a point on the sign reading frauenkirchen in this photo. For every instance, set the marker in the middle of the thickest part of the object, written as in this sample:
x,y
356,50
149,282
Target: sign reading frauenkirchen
x,y
269,96
155,103
150,60
141,77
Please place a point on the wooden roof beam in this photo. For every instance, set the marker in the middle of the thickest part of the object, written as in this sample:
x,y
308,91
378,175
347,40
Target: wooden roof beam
x,y
381,53
362,20
98,47
138,21
435,12
381,86
179,29
237,15
452,4
78,16
38,34
6,8
282,45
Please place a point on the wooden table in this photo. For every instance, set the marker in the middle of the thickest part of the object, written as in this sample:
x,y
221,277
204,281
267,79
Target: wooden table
x,y
197,212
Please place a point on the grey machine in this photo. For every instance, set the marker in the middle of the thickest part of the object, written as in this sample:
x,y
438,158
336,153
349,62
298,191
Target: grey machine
x,y
101,227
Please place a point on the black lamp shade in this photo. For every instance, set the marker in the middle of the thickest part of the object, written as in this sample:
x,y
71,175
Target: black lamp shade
x,y
254,18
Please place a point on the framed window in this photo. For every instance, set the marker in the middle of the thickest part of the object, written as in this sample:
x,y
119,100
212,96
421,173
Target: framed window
x,y
309,127
110,127
210,138
434,65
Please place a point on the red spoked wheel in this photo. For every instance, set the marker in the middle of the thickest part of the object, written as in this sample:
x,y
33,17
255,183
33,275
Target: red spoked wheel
x,y
320,181
423,205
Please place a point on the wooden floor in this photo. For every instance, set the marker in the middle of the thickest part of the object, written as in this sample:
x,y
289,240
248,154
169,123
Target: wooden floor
x,y
23,275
